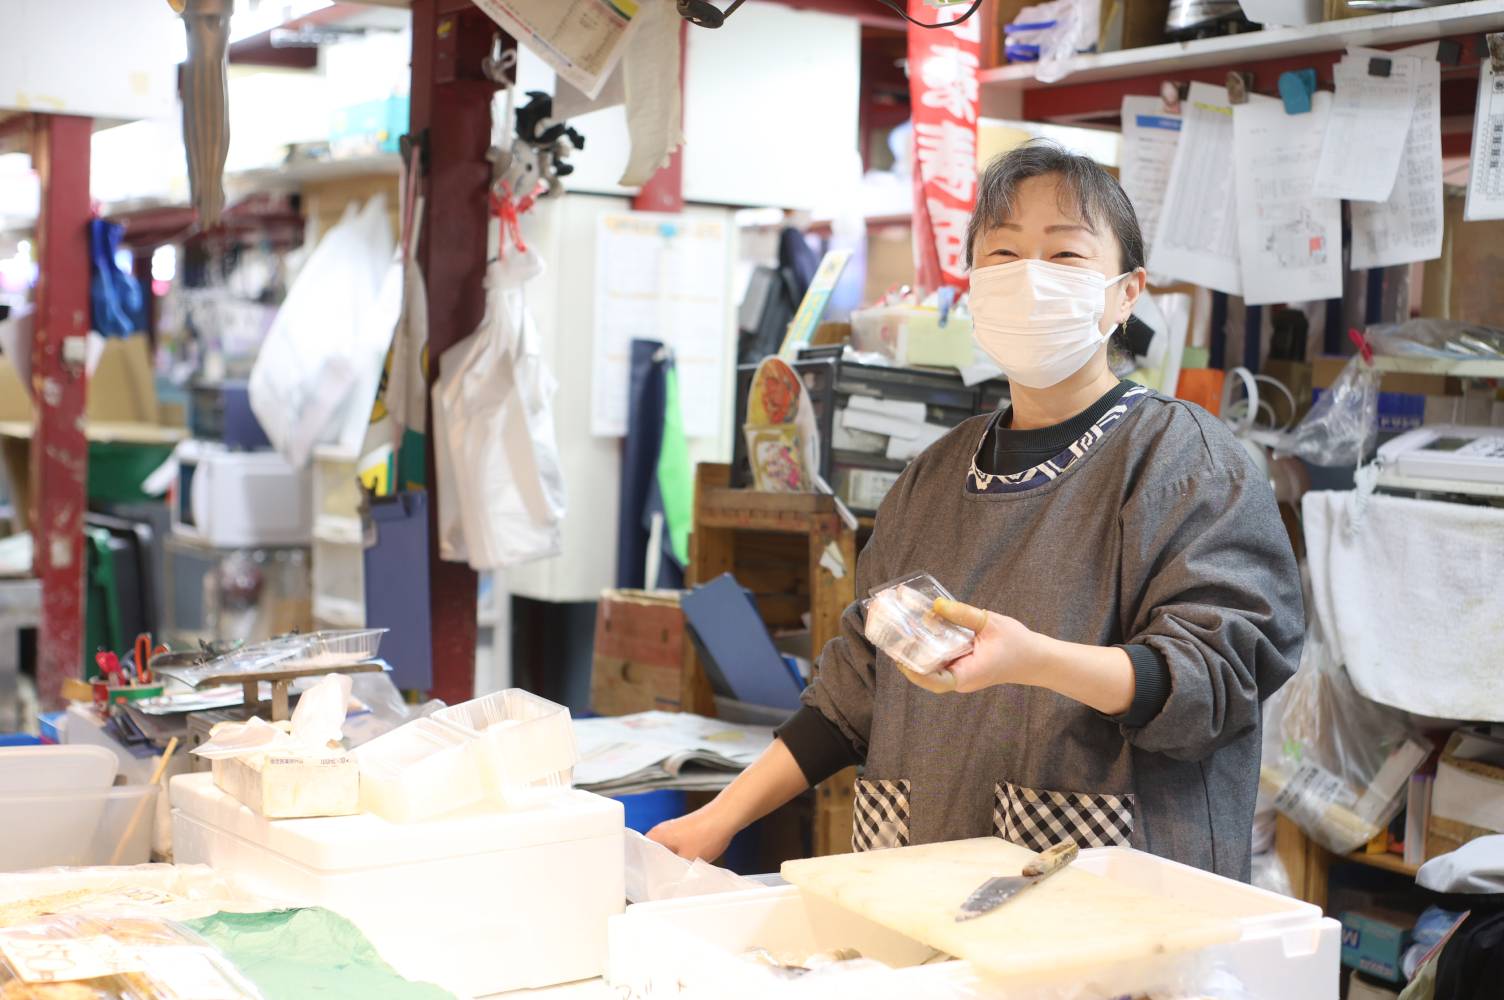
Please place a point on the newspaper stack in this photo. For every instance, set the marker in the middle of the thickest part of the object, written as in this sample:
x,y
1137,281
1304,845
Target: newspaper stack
x,y
628,754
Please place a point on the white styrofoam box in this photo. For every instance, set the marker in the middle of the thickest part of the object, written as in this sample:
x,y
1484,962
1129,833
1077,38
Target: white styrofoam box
x,y
520,739
102,826
239,499
696,947
336,487
419,770
1282,12
482,902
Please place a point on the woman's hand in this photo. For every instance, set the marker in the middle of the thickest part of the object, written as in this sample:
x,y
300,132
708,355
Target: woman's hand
x,y
700,834
1005,652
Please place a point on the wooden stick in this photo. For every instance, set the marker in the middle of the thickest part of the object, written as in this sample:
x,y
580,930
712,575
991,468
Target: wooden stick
x,y
156,780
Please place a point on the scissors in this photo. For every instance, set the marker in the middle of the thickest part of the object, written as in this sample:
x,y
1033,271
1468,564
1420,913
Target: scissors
x,y
143,654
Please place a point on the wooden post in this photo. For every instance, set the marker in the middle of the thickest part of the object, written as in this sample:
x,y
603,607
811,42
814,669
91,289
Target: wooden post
x,y
59,452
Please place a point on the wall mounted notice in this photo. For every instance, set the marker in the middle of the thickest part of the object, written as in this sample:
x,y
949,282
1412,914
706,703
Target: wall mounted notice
x,y
1150,137
660,277
1408,227
1289,239
1485,186
1365,139
1197,238
580,39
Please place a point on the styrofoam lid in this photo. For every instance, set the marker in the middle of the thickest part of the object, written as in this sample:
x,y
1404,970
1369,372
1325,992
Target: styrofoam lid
x,y
345,843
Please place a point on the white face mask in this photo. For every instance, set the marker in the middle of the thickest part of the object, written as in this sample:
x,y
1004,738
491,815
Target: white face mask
x,y
1040,321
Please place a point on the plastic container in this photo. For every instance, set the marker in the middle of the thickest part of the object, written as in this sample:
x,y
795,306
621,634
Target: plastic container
x,y
912,335
341,646
336,486
482,902
56,769
418,771
902,623
696,947
339,578
110,826
521,740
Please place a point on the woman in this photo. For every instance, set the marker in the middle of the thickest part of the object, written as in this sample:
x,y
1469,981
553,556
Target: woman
x,y
1141,597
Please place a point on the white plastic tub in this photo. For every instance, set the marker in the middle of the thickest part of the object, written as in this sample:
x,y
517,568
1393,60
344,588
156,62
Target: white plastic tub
x,y
419,770
481,902
520,740
75,828
696,947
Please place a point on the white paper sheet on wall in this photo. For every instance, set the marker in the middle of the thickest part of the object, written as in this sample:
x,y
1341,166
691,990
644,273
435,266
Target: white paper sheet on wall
x,y
660,277
1485,187
1197,236
1408,227
1150,136
1289,239
1370,122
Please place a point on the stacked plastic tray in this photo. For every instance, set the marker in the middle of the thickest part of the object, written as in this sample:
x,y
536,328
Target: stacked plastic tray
x,y
503,750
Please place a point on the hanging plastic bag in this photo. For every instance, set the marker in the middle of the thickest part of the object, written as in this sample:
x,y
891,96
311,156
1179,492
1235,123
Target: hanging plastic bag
x,y
331,331
1334,762
498,461
1343,426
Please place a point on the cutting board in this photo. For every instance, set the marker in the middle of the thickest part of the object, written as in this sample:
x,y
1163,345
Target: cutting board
x,y
1073,920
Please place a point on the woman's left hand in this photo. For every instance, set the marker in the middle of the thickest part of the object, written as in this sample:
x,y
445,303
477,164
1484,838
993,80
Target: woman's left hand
x,y
1005,652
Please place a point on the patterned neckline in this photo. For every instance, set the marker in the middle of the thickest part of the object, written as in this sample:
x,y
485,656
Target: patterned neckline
x,y
1046,472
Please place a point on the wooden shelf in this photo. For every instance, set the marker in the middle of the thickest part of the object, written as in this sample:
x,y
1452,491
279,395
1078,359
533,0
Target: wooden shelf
x,y
1272,43
751,510
1388,862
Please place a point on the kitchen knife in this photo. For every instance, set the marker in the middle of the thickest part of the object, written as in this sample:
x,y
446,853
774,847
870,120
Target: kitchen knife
x,y
995,891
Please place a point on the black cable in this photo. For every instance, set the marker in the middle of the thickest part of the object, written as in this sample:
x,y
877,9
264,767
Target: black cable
x,y
895,8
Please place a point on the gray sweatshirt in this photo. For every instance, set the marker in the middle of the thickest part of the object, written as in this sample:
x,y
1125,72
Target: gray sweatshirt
x,y
1154,532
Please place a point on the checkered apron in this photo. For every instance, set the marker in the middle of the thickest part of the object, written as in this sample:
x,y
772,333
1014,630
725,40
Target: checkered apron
x,y
1036,819
880,815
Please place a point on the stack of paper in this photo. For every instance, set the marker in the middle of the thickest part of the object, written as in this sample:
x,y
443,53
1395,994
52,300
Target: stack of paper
x,y
654,750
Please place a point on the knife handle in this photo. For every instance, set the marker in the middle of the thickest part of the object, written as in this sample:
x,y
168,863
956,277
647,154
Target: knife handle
x,y
1052,859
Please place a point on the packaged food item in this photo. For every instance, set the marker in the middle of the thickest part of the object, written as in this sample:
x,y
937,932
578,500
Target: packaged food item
x,y
77,957
901,621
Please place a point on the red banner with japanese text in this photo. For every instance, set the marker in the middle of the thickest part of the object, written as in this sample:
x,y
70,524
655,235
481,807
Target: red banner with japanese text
x,y
943,65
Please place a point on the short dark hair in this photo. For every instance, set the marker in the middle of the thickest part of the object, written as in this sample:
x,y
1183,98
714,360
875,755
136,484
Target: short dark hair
x,y
1095,195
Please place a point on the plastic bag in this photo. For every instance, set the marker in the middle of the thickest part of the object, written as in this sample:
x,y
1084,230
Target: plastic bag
x,y
1438,338
901,621
655,872
1343,425
1051,34
1334,762
123,958
168,892
501,487
315,726
329,337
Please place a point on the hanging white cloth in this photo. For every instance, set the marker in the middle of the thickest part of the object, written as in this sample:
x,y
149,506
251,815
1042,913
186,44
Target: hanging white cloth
x,y
1407,595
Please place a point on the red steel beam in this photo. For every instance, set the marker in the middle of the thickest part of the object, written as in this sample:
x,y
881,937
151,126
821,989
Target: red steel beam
x,y
59,453
451,102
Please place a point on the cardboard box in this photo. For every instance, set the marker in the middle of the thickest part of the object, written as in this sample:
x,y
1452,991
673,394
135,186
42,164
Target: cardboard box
x,y
1325,369
1374,941
1359,988
291,785
1462,284
643,657
1467,800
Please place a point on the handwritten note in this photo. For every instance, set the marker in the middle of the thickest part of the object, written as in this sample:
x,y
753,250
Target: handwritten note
x,y
1197,236
1370,122
1150,137
1408,227
1289,239
1485,187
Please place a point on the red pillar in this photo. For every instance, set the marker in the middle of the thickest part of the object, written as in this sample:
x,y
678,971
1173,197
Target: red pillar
x,y
59,453
451,100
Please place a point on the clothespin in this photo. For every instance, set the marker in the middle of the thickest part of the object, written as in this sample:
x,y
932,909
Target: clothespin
x,y
1171,93
1449,52
1296,88
1238,86
1361,342
1496,50
1380,67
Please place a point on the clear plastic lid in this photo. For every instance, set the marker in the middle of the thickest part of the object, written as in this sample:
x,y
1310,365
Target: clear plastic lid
x,y
901,621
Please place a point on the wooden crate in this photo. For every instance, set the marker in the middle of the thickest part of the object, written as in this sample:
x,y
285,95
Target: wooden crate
x,y
773,543
643,659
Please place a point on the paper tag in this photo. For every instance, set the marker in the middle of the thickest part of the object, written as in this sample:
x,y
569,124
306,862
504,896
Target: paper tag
x,y
67,960
1308,794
